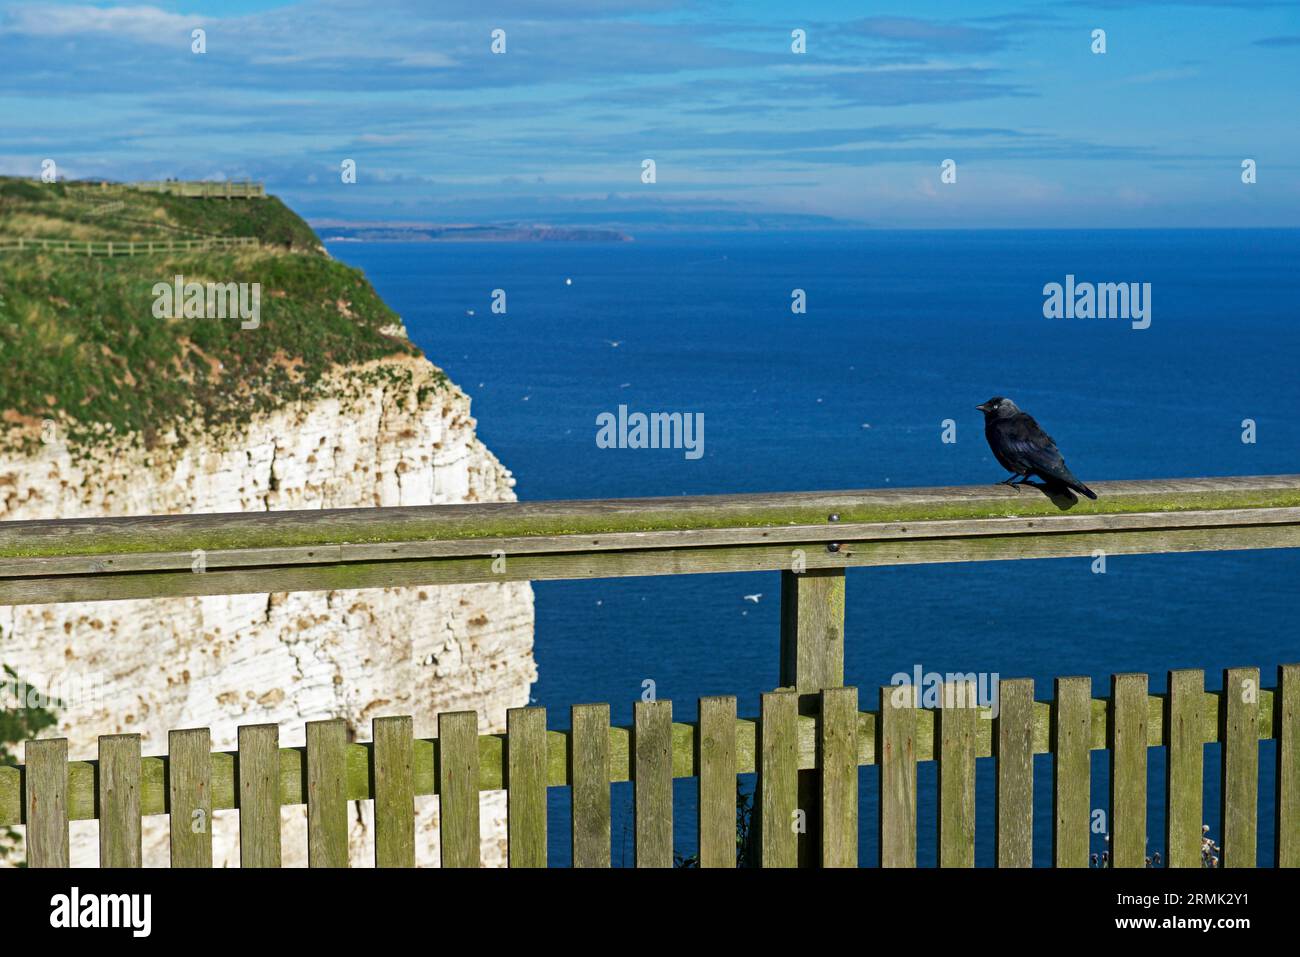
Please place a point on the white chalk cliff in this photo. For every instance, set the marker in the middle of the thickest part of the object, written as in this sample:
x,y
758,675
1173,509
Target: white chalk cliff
x,y
393,432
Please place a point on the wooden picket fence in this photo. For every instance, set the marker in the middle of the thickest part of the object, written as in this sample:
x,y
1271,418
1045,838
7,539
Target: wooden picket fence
x,y
121,247
805,749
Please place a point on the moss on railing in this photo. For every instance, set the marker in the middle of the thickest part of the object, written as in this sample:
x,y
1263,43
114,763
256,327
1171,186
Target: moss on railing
x,y
184,533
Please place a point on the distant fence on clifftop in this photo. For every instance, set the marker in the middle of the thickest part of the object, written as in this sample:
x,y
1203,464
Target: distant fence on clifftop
x,y
780,746
203,189
122,247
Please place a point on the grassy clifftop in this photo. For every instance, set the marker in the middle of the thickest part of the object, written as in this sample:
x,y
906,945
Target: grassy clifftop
x,y
87,211
80,344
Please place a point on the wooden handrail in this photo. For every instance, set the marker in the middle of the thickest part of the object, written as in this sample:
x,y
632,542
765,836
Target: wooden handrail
x,y
254,552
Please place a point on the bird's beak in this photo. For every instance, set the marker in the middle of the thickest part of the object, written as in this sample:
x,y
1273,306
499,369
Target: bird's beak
x,y
981,408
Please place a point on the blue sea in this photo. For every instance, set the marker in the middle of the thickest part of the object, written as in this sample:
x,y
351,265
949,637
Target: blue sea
x,y
903,330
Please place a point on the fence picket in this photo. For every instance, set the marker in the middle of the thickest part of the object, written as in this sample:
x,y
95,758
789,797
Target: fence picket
x,y
778,779
1286,729
1071,772
259,795
1239,769
1184,767
46,801
394,770
526,787
837,747
589,761
119,800
896,758
1128,770
1015,757
717,770
327,806
458,825
955,727
189,797
653,803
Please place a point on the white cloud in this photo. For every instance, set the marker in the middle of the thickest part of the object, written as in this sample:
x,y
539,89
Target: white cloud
x,y
143,24
429,59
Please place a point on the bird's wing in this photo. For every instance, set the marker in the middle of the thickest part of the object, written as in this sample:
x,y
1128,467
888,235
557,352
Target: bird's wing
x,y
1031,445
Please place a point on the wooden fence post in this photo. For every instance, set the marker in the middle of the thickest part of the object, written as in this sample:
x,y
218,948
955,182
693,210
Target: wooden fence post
x,y
589,764
259,795
189,797
812,659
1239,769
777,759
1014,802
896,760
46,799
716,760
955,753
812,629
1184,767
652,762
327,803
1072,772
837,757
394,773
1128,770
526,787
1286,731
458,798
119,800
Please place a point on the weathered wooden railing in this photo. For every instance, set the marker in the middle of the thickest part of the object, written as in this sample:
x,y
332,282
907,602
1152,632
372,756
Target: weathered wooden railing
x,y
810,537
254,552
190,782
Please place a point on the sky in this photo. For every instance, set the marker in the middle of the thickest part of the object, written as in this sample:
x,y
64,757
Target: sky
x,y
742,129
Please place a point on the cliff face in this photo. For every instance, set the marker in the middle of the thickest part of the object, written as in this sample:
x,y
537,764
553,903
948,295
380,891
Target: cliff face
x,y
388,432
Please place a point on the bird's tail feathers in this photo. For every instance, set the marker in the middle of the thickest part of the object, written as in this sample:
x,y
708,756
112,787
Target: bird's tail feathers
x,y
1071,483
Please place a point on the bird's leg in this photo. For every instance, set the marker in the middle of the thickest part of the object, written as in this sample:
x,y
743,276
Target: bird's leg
x,y
1009,480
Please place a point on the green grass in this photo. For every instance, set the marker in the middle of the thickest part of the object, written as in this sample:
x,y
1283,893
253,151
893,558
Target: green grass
x,y
79,342
74,208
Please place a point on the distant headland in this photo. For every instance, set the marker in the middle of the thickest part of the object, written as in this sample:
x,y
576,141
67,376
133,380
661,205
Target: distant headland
x,y
460,233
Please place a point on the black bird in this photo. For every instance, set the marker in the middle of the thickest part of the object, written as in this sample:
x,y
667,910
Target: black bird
x,y
1024,449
